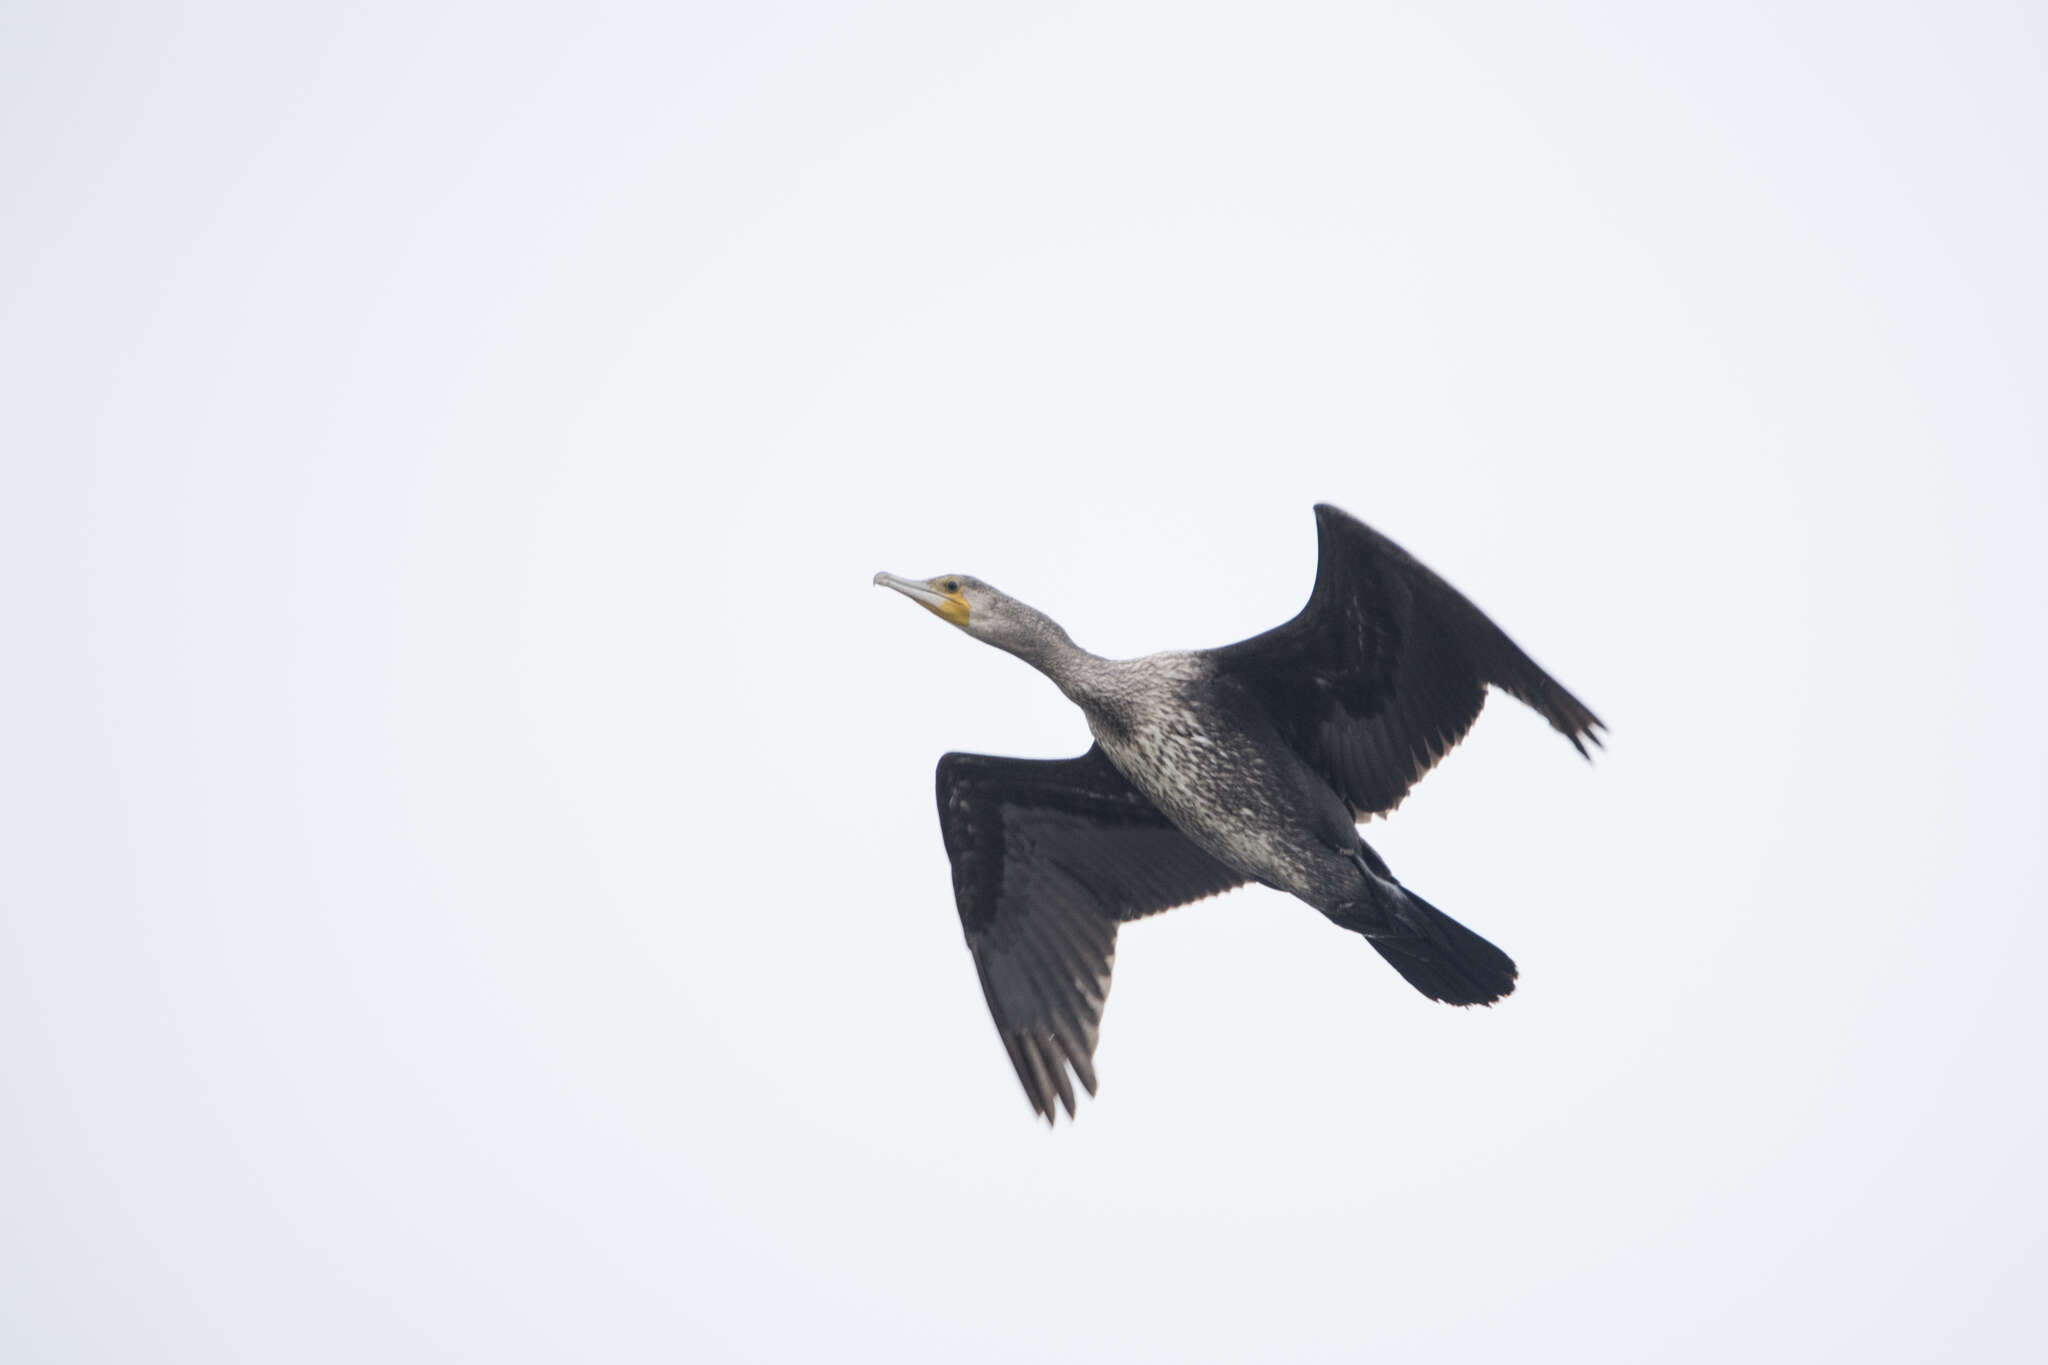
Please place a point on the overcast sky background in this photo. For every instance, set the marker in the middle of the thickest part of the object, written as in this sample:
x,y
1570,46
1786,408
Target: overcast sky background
x,y
470,882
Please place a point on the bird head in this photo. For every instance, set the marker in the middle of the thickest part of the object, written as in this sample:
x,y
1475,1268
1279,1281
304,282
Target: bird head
x,y
978,609
948,597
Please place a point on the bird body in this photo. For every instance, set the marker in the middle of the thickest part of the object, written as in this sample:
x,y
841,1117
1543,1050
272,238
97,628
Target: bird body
x,y
1214,768
1213,763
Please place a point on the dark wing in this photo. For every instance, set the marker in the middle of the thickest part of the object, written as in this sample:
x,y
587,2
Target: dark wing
x,y
1386,668
1049,856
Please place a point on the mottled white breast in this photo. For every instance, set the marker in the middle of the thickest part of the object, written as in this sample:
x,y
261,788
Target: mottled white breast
x,y
1163,733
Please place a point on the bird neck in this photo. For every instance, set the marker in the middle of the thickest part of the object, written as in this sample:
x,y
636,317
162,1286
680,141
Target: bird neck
x,y
1050,650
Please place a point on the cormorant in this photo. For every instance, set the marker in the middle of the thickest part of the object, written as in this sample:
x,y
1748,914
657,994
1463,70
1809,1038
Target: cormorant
x,y
1214,768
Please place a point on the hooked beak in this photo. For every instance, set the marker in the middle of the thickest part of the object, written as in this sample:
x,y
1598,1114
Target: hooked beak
x,y
951,610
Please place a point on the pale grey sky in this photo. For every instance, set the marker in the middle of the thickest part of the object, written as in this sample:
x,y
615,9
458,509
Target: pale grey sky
x,y
471,888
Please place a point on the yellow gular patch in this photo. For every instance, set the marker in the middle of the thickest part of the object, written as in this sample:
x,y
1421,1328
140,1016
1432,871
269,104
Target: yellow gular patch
x,y
953,611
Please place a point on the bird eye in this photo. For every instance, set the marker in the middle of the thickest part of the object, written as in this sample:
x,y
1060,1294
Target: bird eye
x,y
950,585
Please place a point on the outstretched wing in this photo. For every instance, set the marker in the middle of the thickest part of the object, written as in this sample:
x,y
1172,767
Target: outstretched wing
x,y
1386,668
1049,856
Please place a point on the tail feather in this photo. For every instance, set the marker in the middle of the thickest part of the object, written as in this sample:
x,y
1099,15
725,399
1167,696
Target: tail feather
x,y
1439,956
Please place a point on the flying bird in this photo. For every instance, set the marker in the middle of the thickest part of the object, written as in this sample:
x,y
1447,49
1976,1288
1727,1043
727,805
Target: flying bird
x,y
1215,768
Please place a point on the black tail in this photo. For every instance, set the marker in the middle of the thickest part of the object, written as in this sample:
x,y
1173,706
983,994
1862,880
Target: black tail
x,y
1439,956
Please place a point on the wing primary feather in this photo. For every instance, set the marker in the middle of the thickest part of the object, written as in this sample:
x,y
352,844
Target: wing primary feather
x,y
1084,1066
1057,1000
1059,1079
1013,1043
1056,933
1041,1082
